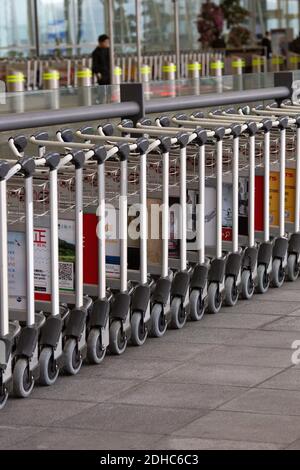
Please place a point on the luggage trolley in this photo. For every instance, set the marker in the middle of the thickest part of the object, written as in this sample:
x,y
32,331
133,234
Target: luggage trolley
x,y
293,112
139,296
214,289
179,288
280,243
120,318
21,202
234,260
257,260
76,333
264,256
160,321
9,331
98,318
179,294
51,338
160,298
198,283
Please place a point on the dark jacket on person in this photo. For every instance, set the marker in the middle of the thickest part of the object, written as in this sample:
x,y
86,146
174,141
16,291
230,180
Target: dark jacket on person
x,y
101,64
266,42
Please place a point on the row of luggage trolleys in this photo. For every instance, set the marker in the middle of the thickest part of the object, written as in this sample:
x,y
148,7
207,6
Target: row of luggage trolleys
x,y
122,165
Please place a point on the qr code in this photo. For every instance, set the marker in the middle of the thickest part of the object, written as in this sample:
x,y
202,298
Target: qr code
x,y
66,276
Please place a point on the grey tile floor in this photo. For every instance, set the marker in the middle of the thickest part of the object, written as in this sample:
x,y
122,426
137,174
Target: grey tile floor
x,y
227,382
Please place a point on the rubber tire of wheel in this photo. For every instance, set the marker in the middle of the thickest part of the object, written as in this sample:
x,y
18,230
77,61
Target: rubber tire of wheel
x,y
19,388
44,363
196,307
231,297
277,281
262,287
157,321
93,355
136,326
292,268
115,332
177,323
214,300
246,279
4,399
69,351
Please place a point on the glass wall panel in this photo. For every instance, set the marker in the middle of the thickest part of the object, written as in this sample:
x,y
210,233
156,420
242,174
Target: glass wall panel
x,y
158,26
55,26
70,26
16,35
90,22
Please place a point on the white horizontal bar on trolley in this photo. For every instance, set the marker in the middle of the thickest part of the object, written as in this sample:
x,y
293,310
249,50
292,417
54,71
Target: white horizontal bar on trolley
x,y
103,138
175,130
233,118
207,122
141,131
112,150
280,111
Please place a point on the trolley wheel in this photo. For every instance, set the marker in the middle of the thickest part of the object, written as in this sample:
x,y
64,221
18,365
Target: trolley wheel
x,y
117,339
214,298
3,398
48,368
247,285
139,331
263,279
95,353
178,314
23,381
196,307
231,292
292,268
159,324
72,357
278,274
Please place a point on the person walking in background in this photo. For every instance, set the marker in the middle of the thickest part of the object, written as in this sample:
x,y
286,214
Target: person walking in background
x,y
101,60
267,44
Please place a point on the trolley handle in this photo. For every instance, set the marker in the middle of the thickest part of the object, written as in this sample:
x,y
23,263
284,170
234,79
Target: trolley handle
x,y
143,122
123,151
216,112
61,144
6,171
283,123
267,125
163,121
88,131
53,160
27,166
142,145
107,130
18,145
236,130
78,159
100,155
197,115
198,134
65,135
252,128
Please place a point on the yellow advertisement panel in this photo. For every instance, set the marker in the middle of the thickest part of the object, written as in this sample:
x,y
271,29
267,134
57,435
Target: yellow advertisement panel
x,y
290,182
